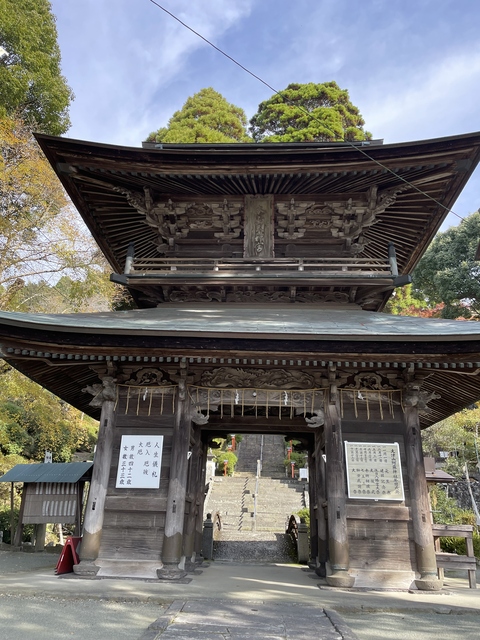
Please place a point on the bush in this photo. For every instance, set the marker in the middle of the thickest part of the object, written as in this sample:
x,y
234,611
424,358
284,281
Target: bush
x,y
459,545
305,514
445,510
5,525
230,457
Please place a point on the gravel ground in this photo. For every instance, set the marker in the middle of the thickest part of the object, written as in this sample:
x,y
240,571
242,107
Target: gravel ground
x,y
16,562
57,619
413,626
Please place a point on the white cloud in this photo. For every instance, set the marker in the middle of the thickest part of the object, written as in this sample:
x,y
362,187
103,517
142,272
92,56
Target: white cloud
x,y
437,101
128,55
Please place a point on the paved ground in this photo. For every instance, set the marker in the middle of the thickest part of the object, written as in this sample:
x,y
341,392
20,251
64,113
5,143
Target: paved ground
x,y
234,601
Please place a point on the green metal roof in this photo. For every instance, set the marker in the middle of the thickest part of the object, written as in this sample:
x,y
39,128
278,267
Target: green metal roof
x,y
48,472
307,322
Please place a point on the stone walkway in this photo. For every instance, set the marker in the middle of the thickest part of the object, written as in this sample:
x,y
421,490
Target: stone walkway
x,y
231,620
224,600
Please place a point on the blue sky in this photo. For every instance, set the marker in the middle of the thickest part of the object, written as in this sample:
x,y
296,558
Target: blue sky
x,y
412,67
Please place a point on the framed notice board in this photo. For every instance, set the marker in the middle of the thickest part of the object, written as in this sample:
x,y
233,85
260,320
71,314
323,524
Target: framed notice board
x,y
374,471
140,462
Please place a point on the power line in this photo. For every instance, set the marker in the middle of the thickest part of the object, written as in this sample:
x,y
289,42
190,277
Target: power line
x,y
279,93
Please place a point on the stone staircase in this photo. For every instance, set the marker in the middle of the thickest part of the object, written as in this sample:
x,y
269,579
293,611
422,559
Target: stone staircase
x,y
269,448
250,535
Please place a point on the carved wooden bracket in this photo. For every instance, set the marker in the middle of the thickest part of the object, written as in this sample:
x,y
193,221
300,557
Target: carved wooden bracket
x,y
173,221
343,219
197,417
106,390
317,420
415,396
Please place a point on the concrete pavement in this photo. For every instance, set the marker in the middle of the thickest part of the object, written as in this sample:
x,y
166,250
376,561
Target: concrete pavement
x,y
223,600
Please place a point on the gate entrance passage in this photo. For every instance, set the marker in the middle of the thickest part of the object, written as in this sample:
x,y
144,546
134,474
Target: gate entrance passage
x,y
252,507
259,273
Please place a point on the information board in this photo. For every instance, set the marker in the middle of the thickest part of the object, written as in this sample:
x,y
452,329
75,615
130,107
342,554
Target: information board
x,y
374,471
140,462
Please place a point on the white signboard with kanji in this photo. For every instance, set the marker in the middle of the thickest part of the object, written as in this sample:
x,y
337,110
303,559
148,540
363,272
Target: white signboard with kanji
x,y
374,471
140,462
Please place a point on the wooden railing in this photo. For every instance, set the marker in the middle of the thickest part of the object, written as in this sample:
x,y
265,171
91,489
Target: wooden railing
x,y
453,560
318,266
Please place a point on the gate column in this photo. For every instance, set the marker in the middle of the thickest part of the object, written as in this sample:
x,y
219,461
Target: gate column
x,y
105,396
172,549
419,500
336,500
194,481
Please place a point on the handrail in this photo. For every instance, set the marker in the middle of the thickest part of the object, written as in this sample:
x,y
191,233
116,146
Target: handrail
x,y
298,531
217,521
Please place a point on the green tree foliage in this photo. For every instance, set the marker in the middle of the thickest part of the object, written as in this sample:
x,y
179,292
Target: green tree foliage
x,y
445,510
448,272
230,457
40,235
205,117
41,239
308,113
33,420
405,302
458,435
31,82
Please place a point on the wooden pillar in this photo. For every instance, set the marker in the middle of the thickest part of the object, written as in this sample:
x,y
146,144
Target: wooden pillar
x,y
12,514
201,499
420,504
17,540
321,502
312,498
94,512
174,520
40,533
78,511
336,500
194,478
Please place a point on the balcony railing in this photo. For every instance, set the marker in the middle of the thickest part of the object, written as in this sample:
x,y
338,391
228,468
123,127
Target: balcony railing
x,y
269,271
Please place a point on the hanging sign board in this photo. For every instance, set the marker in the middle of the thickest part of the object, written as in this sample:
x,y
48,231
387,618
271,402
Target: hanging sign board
x,y
374,471
140,462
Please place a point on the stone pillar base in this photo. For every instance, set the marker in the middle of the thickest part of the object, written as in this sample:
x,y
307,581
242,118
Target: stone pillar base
x,y
341,579
429,583
86,569
171,573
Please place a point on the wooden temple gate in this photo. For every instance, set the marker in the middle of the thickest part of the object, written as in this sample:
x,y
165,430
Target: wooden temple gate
x,y
259,273
374,532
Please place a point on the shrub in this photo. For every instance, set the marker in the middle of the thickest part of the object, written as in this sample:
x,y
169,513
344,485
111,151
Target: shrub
x,y
5,525
305,514
231,462
445,510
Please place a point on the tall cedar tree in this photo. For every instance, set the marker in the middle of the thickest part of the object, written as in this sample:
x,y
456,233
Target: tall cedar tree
x,y
31,82
308,113
205,117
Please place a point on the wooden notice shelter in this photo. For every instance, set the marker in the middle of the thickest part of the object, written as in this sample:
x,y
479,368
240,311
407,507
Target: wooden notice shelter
x,y
260,272
52,493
